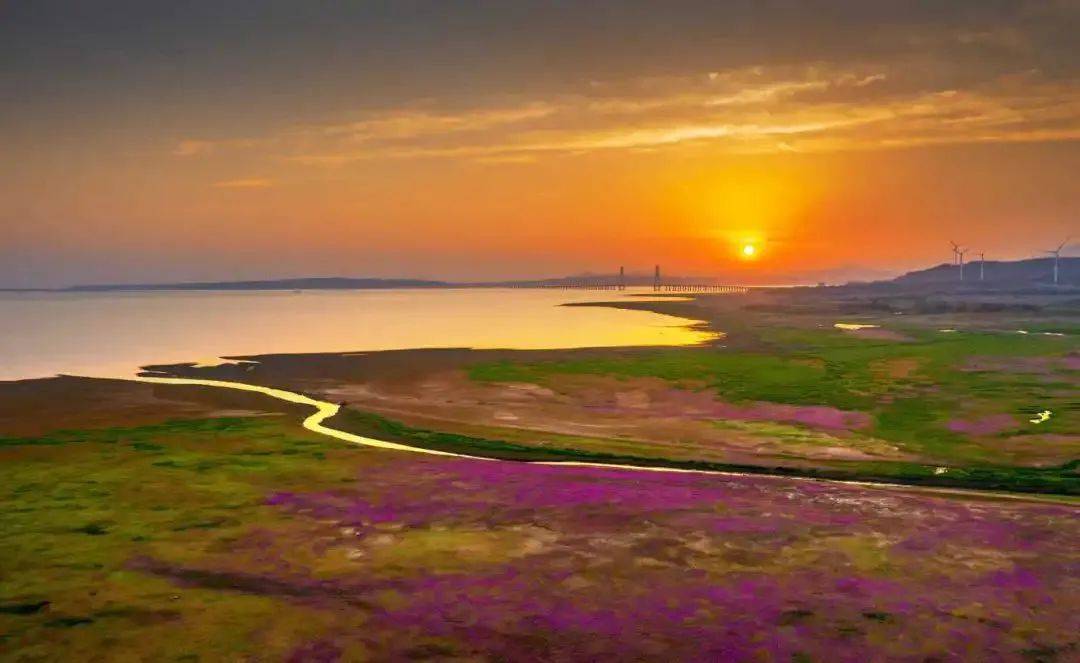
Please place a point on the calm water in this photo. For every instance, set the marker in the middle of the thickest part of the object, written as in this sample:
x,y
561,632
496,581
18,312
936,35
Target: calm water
x,y
112,334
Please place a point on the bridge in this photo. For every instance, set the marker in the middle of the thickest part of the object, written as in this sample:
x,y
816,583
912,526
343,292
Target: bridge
x,y
704,287
619,283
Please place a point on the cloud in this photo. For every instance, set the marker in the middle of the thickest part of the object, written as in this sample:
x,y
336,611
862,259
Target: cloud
x,y
190,148
413,123
246,183
197,147
758,109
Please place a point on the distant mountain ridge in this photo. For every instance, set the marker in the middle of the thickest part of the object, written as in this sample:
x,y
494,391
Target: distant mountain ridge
x,y
998,274
321,283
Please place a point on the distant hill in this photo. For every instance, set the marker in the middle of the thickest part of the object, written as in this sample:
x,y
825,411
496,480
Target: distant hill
x,y
998,274
331,283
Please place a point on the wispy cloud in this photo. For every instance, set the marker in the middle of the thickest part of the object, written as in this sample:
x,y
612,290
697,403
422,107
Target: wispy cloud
x,y
190,148
758,109
409,123
245,183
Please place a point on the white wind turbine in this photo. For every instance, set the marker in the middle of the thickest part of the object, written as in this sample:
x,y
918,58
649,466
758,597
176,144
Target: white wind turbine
x,y
1057,255
960,252
955,251
982,264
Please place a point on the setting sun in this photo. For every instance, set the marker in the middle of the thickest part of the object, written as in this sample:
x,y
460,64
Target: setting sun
x,y
790,289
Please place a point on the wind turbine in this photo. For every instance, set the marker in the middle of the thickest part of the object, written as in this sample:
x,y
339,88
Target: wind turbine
x,y
955,251
960,256
1057,255
982,264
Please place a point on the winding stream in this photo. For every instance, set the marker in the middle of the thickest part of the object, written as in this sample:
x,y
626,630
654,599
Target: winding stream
x,y
314,422
325,410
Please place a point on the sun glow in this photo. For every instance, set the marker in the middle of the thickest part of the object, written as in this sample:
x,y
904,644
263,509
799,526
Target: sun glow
x,y
749,251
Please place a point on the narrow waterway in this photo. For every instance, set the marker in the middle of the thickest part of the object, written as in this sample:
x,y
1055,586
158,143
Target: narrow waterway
x,y
324,410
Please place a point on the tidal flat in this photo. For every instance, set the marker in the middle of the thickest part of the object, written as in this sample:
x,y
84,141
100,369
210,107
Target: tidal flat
x,y
179,522
780,390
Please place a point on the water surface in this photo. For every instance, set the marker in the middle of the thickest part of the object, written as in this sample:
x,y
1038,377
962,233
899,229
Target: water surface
x,y
112,334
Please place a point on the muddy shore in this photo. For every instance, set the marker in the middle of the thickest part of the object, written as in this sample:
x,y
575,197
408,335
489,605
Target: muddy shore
x,y
642,405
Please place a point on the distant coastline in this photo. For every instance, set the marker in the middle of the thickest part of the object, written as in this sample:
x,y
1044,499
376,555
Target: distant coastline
x,y
328,283
991,275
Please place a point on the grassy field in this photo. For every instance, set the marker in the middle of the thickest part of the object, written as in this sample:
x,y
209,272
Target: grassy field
x,y
80,506
245,537
957,398
251,539
1060,480
912,388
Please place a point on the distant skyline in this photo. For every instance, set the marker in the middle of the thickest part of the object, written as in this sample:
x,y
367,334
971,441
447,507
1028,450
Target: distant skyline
x,y
163,142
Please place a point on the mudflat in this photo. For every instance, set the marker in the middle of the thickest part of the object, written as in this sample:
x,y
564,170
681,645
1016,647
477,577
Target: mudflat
x,y
951,399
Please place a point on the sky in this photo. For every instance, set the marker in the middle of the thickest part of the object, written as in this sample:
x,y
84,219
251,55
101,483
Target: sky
x,y
151,142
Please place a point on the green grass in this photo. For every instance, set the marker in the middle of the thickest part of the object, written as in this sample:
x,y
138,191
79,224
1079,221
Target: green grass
x,y
739,376
824,367
78,506
1063,480
135,435
116,485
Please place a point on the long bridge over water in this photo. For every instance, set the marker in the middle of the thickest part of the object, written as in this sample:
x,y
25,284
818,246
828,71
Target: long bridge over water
x,y
619,283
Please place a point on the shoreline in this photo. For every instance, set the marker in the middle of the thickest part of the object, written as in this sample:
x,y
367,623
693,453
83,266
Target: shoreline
x,y
282,372
80,336
704,310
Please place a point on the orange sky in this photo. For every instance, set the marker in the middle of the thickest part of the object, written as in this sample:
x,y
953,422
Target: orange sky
x,y
220,156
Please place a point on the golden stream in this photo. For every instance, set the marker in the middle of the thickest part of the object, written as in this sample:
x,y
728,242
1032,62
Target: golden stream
x,y
325,410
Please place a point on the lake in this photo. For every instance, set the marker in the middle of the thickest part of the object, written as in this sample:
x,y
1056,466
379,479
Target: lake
x,y
112,334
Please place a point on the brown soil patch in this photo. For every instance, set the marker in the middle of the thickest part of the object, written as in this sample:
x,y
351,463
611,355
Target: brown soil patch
x,y
1031,365
645,415
877,333
900,368
989,425
1046,450
36,407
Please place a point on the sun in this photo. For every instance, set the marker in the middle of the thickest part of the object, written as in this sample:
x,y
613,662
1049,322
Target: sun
x,y
749,251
